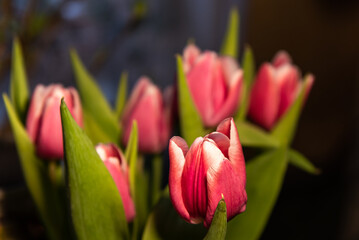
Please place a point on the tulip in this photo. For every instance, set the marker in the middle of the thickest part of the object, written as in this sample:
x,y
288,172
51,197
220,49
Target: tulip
x,y
213,167
215,83
276,87
116,164
43,121
146,105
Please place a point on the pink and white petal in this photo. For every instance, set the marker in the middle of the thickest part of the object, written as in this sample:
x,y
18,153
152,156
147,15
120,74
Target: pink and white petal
x,y
222,179
221,141
282,57
235,152
35,111
288,78
199,80
49,140
177,150
264,100
230,67
191,175
219,87
190,55
230,105
136,95
122,183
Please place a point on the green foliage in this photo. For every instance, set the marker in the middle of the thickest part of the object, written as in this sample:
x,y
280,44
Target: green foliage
x,y
218,228
300,161
190,120
253,136
265,175
165,223
19,91
95,103
121,95
36,172
96,206
231,40
248,76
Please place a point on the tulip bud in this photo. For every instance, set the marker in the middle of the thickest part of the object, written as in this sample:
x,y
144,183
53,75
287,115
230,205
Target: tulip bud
x,y
212,167
43,121
215,84
147,107
276,87
116,164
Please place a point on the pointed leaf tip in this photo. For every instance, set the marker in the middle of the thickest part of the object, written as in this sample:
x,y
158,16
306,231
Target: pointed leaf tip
x,y
218,228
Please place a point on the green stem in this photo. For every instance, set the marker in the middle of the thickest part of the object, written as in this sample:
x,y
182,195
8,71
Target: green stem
x,y
156,178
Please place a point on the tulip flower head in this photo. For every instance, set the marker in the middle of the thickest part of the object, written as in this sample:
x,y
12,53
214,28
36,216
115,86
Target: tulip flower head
x,y
116,164
43,121
276,87
212,167
146,105
215,83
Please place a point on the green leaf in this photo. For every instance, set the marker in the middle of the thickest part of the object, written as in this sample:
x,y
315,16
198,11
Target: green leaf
x,y
231,40
156,178
131,156
285,129
165,223
248,76
93,101
253,136
36,173
93,130
300,161
121,95
265,175
190,120
96,206
218,228
19,90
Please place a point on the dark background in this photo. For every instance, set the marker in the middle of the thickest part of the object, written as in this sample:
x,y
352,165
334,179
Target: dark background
x,y
322,37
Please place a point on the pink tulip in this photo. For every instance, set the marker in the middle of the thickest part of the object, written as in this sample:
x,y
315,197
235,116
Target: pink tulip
x,y
146,105
116,164
215,83
212,167
276,87
43,121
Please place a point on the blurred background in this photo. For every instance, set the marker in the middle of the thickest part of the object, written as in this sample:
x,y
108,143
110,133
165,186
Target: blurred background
x,y
143,37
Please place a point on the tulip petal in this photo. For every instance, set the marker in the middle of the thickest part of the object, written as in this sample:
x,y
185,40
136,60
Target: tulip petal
x,y
281,58
49,140
190,55
221,140
222,179
264,101
148,113
235,153
177,151
121,181
200,84
288,78
230,105
230,67
76,109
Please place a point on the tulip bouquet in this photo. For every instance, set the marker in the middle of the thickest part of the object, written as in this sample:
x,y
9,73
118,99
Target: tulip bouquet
x,y
97,172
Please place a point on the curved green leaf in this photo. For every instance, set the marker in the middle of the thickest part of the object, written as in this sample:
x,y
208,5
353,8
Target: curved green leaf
x,y
96,206
285,129
93,101
231,40
265,175
19,90
300,161
121,95
253,136
190,120
248,76
36,173
165,223
218,228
